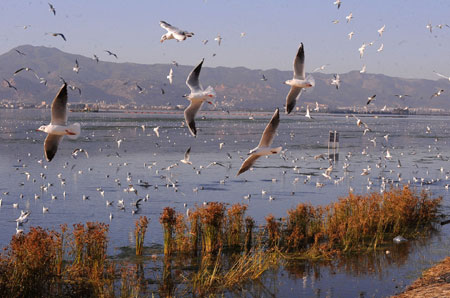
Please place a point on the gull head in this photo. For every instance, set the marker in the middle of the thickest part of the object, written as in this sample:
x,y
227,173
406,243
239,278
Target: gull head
x,y
42,128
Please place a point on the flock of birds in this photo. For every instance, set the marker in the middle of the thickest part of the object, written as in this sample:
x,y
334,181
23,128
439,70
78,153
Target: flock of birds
x,y
59,127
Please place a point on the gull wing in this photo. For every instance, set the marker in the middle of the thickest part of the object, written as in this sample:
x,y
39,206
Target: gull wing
x,y
189,115
248,163
51,145
192,80
59,107
299,64
270,130
168,27
187,154
441,75
291,98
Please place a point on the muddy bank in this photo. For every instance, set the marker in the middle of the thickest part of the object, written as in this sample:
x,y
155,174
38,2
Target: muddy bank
x,y
435,282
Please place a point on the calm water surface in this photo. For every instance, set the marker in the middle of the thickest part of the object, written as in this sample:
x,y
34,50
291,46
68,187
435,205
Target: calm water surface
x,y
142,156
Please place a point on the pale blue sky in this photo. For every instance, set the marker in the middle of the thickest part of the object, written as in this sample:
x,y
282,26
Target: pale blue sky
x,y
274,29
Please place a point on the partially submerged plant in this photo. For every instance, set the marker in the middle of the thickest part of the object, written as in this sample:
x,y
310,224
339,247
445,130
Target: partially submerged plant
x,y
139,232
212,216
168,221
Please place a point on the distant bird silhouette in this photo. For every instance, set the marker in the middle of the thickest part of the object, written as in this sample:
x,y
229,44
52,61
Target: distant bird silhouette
x,y
8,84
57,34
19,52
52,8
111,53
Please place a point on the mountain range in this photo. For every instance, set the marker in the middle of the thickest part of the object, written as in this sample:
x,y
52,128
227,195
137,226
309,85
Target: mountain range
x,y
237,88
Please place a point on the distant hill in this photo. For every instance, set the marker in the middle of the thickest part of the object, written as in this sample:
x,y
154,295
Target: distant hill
x,y
236,88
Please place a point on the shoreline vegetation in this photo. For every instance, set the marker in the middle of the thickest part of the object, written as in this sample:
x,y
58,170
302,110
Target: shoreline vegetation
x,y
213,249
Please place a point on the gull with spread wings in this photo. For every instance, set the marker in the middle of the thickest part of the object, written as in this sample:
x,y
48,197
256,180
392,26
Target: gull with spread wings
x,y
58,127
263,147
298,82
197,97
174,32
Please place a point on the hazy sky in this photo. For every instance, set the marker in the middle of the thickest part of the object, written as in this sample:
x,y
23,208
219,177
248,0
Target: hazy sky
x,y
274,30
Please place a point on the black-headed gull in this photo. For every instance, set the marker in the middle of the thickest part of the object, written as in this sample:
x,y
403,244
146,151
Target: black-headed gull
x,y
438,93
263,147
298,82
174,32
112,54
9,85
381,30
186,158
197,97
52,8
370,99
170,76
336,81
58,127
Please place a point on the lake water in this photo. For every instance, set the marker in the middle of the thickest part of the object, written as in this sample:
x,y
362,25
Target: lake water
x,y
142,156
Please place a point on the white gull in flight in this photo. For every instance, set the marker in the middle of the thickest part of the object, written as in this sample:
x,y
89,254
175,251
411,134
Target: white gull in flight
x,y
263,147
298,82
174,32
58,127
197,97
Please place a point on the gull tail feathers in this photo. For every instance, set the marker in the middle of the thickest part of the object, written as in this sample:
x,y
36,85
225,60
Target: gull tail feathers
x,y
310,79
276,150
75,130
210,92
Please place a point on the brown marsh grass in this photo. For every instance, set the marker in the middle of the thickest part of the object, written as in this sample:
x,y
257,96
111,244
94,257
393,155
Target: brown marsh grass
x,y
50,263
139,232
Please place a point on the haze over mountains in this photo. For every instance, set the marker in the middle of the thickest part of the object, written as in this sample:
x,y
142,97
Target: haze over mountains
x,y
237,88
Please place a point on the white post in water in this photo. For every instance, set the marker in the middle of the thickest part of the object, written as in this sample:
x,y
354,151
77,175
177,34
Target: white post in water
x,y
333,142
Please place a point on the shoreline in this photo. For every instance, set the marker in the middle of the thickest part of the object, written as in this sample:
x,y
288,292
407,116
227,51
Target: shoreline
x,y
434,282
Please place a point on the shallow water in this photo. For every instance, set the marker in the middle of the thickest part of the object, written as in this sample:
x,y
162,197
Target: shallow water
x,y
146,157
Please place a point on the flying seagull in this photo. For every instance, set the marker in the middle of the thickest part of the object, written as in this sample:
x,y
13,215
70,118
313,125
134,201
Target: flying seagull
x,y
76,68
381,30
186,157
370,99
336,81
349,17
442,76
78,150
263,147
111,53
96,58
174,32
24,68
52,8
438,93
197,97
58,34
338,3
58,127
298,82
218,39
141,90
170,76
19,52
8,84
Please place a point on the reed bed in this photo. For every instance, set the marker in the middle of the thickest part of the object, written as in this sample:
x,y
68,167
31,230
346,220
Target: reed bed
x,y
224,246
139,232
